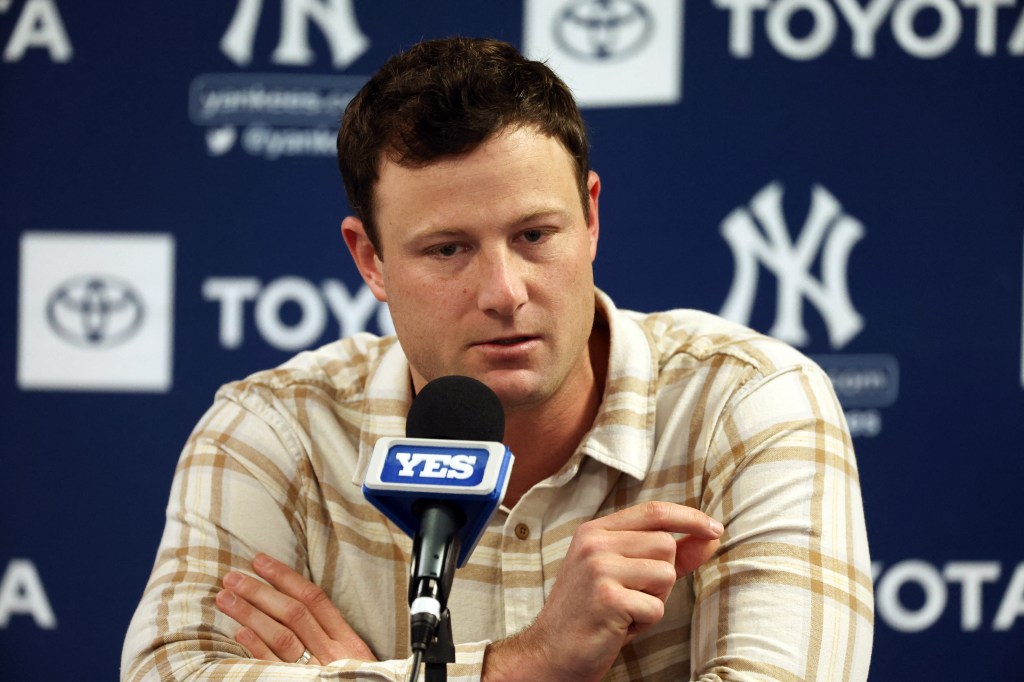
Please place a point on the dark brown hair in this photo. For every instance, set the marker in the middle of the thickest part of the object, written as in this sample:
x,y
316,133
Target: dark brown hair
x,y
444,98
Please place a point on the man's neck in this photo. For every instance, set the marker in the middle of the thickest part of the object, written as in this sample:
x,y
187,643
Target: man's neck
x,y
543,439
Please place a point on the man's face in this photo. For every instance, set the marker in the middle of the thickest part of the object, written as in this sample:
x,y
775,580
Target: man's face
x,y
487,267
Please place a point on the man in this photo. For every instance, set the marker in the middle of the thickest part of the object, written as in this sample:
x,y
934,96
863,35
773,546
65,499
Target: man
x,y
636,438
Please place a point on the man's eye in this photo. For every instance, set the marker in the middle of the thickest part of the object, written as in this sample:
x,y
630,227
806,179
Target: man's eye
x,y
446,250
533,236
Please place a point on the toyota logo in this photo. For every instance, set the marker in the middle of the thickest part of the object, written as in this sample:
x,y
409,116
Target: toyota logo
x,y
603,30
95,311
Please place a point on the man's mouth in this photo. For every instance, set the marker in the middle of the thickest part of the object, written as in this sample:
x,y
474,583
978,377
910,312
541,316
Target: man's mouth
x,y
510,342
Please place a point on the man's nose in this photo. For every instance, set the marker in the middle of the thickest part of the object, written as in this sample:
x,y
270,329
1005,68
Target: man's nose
x,y
502,286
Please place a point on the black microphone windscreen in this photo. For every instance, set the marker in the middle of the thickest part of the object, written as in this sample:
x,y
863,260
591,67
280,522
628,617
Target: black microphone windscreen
x,y
456,408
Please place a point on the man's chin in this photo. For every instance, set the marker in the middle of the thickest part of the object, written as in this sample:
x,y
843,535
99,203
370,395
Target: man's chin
x,y
517,390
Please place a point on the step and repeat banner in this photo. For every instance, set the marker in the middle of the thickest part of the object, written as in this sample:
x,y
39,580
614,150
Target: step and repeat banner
x,y
846,175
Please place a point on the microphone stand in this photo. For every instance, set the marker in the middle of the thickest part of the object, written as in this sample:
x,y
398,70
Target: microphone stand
x,y
434,553
441,650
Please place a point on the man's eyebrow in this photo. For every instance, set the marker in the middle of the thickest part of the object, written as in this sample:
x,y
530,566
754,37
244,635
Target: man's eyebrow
x,y
526,217
429,232
542,213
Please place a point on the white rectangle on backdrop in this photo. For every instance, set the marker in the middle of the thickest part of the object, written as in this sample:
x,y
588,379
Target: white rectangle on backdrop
x,y
96,311
610,52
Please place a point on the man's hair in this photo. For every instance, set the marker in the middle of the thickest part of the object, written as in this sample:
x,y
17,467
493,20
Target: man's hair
x,y
444,98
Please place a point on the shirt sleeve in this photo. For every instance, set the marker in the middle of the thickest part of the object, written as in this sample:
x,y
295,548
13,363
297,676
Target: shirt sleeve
x,y
237,491
789,594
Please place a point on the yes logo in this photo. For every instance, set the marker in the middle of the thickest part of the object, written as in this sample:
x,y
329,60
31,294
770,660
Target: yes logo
x,y
431,465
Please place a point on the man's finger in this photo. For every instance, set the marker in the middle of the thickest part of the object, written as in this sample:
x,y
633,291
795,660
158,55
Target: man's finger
x,y
633,544
256,646
666,516
285,611
271,639
652,577
331,624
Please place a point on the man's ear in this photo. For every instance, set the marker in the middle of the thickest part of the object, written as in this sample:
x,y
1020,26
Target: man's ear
x,y
365,256
594,225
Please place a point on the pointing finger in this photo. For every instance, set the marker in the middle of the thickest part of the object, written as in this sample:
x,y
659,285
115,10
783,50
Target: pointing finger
x,y
664,516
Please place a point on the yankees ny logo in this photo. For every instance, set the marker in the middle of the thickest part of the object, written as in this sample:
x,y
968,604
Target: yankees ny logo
x,y
335,19
827,230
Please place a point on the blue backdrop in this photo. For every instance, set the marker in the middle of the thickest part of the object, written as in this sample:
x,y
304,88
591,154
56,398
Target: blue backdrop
x,y
845,175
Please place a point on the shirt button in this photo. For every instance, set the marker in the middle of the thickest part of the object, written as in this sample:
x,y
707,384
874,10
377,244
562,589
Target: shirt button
x,y
522,531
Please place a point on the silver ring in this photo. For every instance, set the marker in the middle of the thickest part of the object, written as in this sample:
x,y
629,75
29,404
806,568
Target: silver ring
x,y
304,658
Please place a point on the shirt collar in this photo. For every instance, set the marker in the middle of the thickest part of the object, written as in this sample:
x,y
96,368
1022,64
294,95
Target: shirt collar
x,y
623,433
385,405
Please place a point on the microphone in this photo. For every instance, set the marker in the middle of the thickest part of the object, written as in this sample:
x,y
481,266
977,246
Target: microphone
x,y
441,485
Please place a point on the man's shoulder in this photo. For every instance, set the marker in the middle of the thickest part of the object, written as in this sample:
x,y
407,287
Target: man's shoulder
x,y
693,336
339,371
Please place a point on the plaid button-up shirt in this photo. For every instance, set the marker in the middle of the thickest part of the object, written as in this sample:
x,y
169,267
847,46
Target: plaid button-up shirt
x,y
695,410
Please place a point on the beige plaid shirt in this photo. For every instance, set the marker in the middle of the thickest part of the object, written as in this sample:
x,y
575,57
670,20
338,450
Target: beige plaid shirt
x,y
696,410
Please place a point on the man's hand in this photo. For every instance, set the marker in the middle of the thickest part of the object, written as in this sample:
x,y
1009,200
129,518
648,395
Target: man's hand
x,y
282,620
613,584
